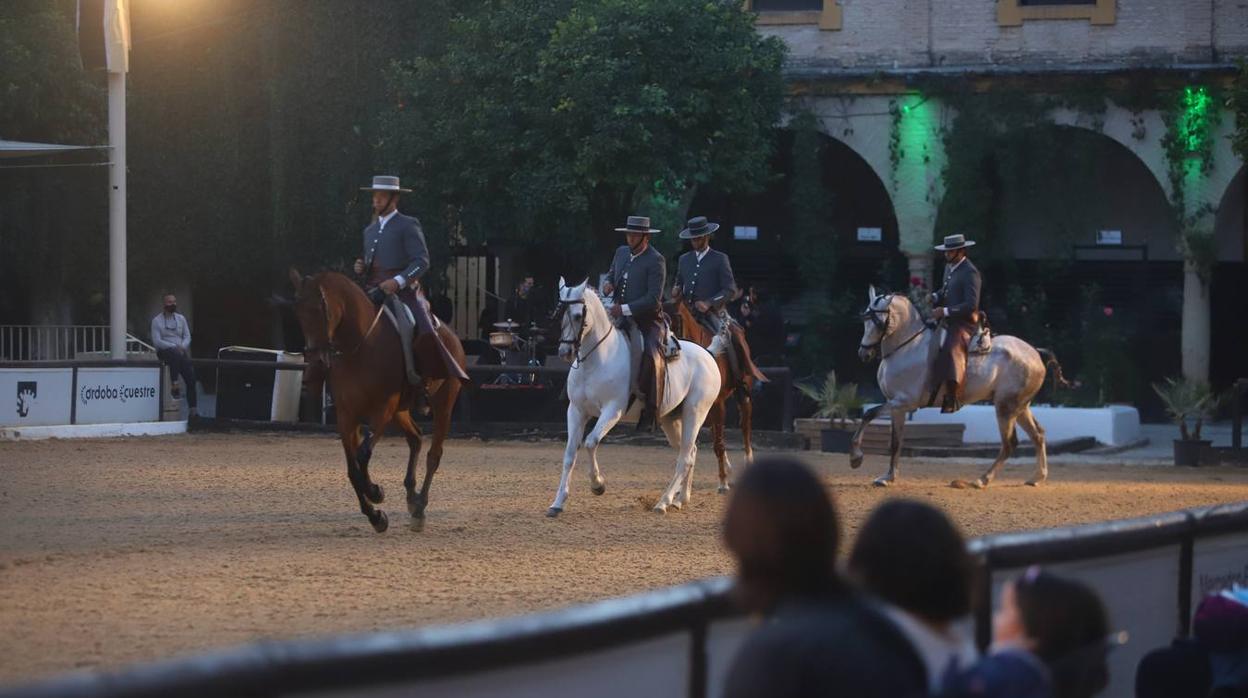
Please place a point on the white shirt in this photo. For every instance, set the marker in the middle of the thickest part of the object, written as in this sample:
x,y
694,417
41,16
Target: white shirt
x,y
937,650
381,225
955,266
702,254
631,258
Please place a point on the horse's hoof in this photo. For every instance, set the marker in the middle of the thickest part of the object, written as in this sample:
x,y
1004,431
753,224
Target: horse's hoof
x,y
959,484
659,509
1034,483
723,489
417,524
979,484
415,506
553,512
599,489
380,522
882,482
376,494
855,462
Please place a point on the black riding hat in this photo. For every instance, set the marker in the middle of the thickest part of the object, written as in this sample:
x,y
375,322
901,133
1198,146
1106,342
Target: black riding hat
x,y
638,224
697,227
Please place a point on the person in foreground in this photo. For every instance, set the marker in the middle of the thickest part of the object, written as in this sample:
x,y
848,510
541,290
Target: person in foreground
x,y
816,637
911,561
1049,641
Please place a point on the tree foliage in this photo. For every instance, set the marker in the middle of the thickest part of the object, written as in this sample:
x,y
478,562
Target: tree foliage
x,y
551,120
49,250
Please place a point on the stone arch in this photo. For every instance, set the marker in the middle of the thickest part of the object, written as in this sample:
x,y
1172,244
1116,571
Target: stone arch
x,y
1230,228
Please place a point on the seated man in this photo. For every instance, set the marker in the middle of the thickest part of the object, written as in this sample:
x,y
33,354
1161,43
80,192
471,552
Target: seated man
x,y
171,335
957,303
635,283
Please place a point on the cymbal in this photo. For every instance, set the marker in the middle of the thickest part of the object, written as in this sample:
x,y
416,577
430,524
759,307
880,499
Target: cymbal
x,y
506,325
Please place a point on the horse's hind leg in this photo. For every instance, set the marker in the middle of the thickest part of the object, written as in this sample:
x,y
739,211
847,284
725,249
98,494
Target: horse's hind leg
x,y
443,401
350,436
745,405
1028,422
1007,417
673,428
414,444
716,418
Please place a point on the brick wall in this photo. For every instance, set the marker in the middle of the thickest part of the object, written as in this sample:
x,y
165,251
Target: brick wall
x,y
900,33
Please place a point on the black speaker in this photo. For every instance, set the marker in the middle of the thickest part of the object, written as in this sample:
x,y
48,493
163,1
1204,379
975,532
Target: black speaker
x,y
245,393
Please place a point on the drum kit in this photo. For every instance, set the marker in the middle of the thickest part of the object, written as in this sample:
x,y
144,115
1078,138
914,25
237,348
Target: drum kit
x,y
505,338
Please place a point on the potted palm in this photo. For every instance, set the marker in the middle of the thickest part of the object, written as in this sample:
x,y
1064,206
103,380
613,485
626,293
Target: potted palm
x,y
1188,400
836,403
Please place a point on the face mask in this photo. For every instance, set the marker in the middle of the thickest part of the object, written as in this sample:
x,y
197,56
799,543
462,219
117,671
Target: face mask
x,y
171,308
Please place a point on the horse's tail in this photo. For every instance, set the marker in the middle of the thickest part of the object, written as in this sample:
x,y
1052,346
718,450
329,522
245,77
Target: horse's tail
x,y
1050,362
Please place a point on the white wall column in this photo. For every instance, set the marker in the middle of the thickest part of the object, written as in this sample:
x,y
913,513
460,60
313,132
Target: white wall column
x,y
1196,329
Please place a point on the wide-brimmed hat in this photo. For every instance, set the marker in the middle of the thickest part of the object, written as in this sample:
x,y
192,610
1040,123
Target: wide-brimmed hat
x,y
955,242
638,224
697,227
385,183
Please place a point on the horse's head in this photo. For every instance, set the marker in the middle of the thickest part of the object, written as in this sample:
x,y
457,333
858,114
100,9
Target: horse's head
x,y
575,320
879,319
319,316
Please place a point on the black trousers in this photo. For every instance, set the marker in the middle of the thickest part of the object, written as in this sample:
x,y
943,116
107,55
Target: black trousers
x,y
180,365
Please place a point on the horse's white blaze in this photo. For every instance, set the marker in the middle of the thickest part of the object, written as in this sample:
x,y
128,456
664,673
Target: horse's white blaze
x,y
601,381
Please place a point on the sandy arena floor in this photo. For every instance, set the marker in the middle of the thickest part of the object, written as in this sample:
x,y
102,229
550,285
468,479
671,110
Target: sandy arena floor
x,y
117,551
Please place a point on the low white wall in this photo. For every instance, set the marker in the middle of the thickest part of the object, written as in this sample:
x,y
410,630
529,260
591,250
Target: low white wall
x,y
91,431
1115,425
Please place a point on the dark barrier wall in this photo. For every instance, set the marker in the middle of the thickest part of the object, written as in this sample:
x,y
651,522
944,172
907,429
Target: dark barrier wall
x,y
679,641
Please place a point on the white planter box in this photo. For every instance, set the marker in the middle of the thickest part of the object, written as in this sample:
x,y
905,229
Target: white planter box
x,y
1114,425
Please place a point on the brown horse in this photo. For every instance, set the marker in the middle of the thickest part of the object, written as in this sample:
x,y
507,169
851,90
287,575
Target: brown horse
x,y
358,352
685,326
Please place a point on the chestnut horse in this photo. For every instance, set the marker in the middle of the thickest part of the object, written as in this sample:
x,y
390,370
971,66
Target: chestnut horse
x,y
685,326
357,350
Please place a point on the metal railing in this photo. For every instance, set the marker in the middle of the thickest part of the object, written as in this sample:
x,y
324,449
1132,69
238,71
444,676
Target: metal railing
x,y
60,342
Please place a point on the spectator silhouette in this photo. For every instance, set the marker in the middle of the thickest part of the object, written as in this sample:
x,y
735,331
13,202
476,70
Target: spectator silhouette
x,y
1049,640
816,636
912,561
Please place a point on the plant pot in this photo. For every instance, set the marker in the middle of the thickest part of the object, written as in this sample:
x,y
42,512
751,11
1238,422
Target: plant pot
x,y
835,440
1189,452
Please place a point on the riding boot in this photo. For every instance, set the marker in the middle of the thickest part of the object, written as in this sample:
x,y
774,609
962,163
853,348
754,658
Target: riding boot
x,y
406,333
951,403
425,325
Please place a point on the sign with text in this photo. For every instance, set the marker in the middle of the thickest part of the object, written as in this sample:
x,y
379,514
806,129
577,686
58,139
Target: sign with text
x,y
115,395
870,235
745,232
32,397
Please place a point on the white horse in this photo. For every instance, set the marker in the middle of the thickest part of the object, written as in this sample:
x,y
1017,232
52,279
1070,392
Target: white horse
x,y
1009,375
604,371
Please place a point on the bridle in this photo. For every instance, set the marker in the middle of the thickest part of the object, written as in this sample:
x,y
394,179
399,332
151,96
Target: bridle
x,y
884,326
327,354
577,357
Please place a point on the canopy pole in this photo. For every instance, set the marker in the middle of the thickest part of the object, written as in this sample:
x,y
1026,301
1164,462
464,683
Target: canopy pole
x,y
117,215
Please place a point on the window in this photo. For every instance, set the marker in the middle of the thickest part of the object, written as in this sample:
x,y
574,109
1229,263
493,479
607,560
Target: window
x,y
1012,13
825,13
787,5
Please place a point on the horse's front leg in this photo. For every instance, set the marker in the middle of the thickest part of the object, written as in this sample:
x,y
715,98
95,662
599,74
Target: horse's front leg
x,y
610,416
414,443
350,436
898,418
855,448
576,430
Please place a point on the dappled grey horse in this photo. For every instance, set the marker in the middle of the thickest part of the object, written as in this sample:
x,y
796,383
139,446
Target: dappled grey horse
x,y
1009,375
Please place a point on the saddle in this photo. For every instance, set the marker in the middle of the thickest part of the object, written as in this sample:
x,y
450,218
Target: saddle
x,y
981,341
